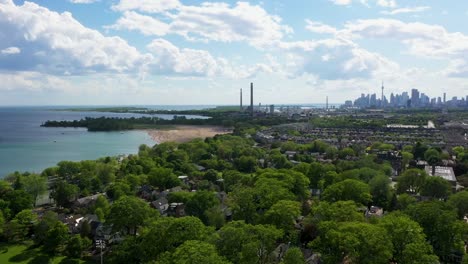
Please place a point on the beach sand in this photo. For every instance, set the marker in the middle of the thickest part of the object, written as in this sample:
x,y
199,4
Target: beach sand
x,y
182,134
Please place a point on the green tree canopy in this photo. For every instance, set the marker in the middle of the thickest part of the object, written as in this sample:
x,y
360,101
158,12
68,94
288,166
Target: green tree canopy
x,y
436,187
408,239
353,190
128,213
193,252
411,181
353,242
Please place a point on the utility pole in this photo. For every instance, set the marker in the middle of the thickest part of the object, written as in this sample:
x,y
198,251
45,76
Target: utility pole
x,y
101,244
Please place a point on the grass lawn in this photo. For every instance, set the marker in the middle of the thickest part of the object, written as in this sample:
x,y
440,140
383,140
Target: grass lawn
x,y
27,253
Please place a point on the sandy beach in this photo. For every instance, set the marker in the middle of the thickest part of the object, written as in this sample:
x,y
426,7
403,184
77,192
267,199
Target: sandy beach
x,y
182,134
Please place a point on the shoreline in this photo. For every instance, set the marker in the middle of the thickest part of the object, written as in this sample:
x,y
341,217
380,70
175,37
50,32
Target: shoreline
x,y
184,133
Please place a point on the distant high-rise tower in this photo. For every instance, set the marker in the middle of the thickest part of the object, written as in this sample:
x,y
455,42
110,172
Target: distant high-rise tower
x,y
251,99
241,99
382,98
445,98
326,104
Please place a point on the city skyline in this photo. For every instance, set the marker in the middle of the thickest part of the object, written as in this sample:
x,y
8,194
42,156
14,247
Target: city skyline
x,y
143,52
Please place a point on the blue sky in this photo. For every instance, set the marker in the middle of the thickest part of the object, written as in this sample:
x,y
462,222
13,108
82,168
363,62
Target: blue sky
x,y
97,52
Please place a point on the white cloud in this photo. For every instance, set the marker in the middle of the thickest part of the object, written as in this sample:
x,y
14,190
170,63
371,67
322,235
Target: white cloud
x,y
387,3
56,43
405,10
32,81
171,60
381,3
10,51
319,27
342,2
145,24
333,59
147,6
429,41
83,1
212,22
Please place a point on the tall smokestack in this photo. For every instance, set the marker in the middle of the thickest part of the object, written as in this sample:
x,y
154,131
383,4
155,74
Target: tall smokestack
x,y
241,99
251,99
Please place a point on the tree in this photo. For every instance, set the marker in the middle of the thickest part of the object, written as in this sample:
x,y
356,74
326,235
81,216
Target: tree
x,y
19,228
56,238
76,245
340,211
118,189
163,178
48,220
243,205
380,191
283,215
35,185
193,252
353,242
18,200
411,181
128,213
408,240
200,202
436,187
166,234
244,243
405,200
460,202
348,190
246,164
432,156
268,191
63,193
293,256
440,224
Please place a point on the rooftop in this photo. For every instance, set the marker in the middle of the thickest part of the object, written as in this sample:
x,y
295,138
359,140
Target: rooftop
x,y
443,172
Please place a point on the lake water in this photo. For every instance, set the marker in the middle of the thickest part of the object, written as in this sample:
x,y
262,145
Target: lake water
x,y
26,146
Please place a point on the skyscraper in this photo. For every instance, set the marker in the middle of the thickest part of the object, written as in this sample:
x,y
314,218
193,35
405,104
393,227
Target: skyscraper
x,y
414,98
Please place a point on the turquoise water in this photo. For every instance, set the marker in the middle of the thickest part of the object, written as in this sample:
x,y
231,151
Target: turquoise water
x,y
75,145
26,146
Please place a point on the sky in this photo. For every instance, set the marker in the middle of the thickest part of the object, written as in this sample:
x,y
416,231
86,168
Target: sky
x,y
186,52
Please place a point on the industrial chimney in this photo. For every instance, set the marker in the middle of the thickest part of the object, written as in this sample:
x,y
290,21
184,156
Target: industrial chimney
x,y
241,99
251,99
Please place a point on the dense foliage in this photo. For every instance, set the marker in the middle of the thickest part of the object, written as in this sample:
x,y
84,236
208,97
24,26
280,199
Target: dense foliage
x,y
243,203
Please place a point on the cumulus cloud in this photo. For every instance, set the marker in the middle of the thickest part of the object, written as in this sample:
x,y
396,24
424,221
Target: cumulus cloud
x,y
333,59
57,43
83,1
209,22
422,39
172,60
387,3
10,51
319,27
406,10
144,24
147,6
381,3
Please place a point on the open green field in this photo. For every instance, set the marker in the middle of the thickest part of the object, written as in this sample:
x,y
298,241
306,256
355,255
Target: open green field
x,y
27,253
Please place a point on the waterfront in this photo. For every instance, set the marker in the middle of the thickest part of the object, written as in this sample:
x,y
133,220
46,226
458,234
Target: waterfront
x,y
26,146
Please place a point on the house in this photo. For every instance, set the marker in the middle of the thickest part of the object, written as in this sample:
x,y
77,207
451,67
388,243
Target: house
x,y
445,173
86,201
161,205
374,211
176,209
184,179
